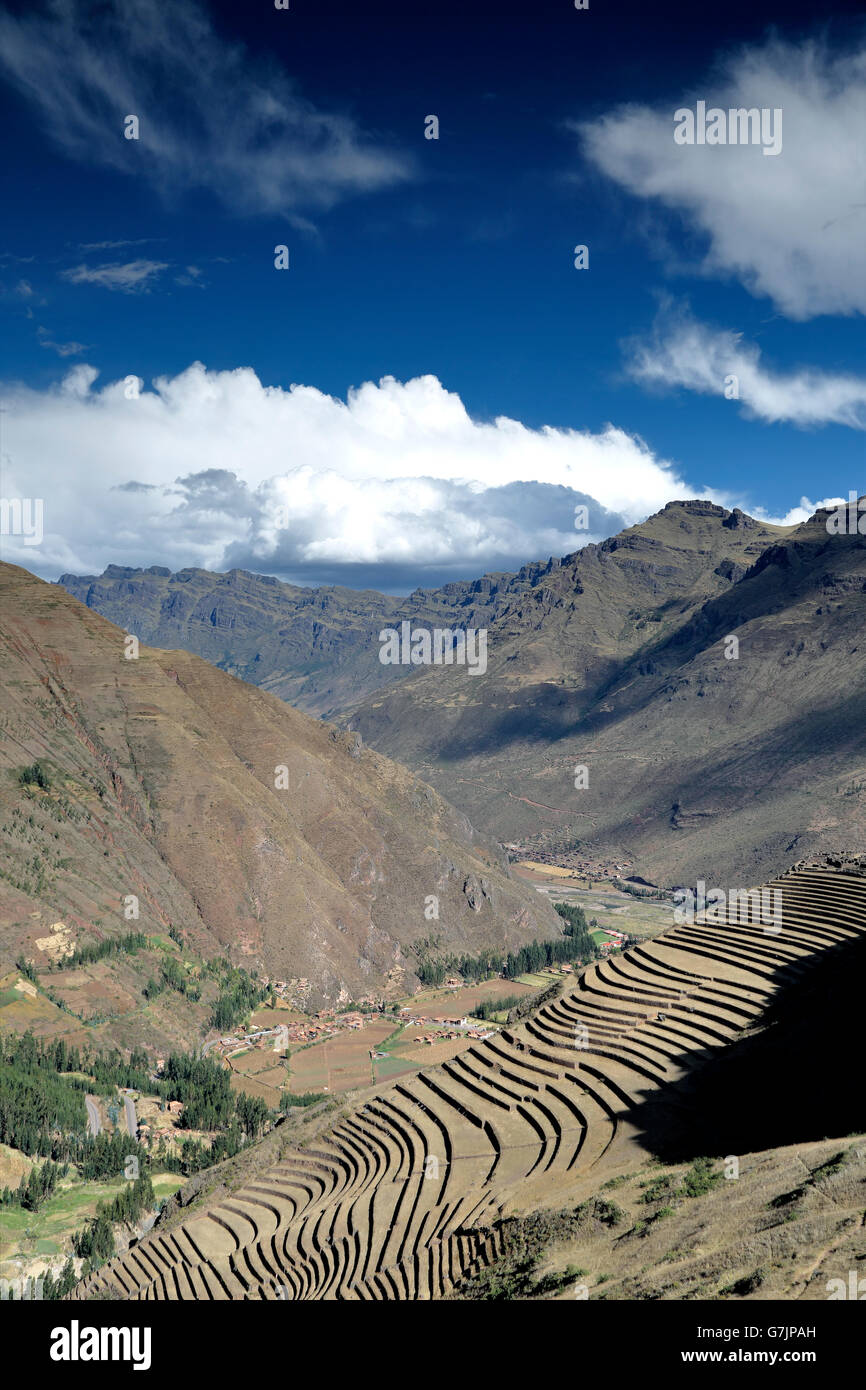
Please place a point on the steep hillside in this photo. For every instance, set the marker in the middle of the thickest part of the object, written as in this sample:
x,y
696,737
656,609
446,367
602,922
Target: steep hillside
x,y
412,1194
249,828
787,1228
703,760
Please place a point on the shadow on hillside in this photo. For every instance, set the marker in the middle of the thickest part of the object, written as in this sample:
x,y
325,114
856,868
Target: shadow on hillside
x,y
799,1079
780,578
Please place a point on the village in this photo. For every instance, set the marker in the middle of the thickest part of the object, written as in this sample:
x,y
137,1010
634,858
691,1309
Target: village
x,y
328,1023
427,1019
283,1049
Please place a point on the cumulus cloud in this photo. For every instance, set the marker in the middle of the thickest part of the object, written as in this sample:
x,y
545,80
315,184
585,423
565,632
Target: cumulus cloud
x,y
684,352
395,486
211,116
796,515
792,227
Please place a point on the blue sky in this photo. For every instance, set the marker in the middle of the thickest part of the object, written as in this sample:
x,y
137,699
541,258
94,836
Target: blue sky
x,y
442,267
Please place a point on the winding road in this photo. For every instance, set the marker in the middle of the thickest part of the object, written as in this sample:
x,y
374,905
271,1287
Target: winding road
x,y
131,1120
94,1123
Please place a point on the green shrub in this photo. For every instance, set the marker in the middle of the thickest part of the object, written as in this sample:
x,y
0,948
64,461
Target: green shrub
x,y
657,1188
700,1178
35,775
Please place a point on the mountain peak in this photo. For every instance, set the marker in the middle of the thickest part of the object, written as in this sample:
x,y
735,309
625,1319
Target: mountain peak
x,y
695,506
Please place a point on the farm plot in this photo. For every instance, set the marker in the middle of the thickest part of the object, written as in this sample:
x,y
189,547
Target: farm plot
x,y
411,1048
395,1064
534,981
429,1054
259,1072
94,993
341,1063
458,1003
644,917
23,1007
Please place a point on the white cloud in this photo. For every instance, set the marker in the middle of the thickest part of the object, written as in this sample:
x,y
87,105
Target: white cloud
x,y
211,116
395,486
684,352
134,277
115,245
71,349
795,516
791,227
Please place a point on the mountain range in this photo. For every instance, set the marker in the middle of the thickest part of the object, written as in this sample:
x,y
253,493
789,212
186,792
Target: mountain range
x,y
682,701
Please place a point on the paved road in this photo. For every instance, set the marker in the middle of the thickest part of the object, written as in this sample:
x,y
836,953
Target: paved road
x,y
131,1121
94,1124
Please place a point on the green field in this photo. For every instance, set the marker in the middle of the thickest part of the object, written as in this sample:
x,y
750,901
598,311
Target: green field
x,y
613,908
47,1231
394,1065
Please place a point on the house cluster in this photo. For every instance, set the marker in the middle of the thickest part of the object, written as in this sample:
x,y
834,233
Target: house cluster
x,y
448,1029
310,1030
295,992
149,1130
593,870
325,1024
282,988
353,1019
450,1035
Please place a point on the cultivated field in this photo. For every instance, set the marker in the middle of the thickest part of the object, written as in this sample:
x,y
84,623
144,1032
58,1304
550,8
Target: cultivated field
x,y
260,1072
404,1196
341,1063
455,1003
22,1008
611,907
